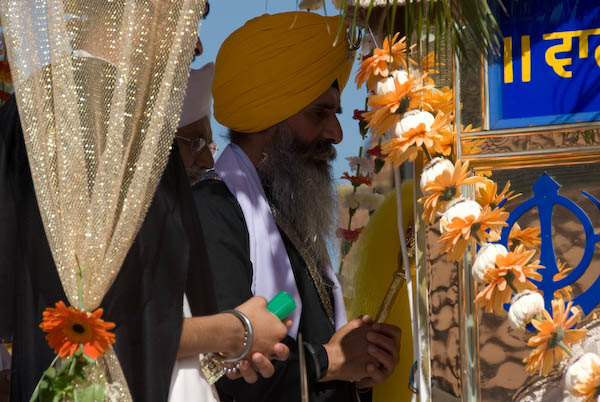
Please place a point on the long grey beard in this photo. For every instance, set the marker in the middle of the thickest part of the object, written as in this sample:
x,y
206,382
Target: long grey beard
x,y
301,189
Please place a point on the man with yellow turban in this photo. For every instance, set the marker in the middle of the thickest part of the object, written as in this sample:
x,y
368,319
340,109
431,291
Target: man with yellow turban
x,y
269,211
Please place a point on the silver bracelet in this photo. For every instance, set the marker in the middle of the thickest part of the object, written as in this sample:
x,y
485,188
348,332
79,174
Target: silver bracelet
x,y
248,339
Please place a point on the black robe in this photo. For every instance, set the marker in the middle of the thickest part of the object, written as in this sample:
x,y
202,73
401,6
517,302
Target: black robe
x,y
229,253
145,301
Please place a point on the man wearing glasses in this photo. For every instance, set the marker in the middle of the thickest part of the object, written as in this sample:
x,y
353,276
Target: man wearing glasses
x,y
194,135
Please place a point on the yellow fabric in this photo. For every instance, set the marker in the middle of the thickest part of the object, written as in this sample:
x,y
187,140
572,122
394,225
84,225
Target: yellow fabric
x,y
274,66
366,278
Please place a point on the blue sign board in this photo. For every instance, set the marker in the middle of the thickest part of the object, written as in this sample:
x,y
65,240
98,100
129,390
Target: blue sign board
x,y
549,68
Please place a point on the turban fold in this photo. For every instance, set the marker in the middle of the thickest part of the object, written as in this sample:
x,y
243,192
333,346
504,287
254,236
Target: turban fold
x,y
276,65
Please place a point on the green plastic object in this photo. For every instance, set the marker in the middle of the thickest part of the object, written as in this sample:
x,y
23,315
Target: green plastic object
x,y
281,305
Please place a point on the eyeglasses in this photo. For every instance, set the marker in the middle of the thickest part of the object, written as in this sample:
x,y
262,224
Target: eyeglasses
x,y
198,144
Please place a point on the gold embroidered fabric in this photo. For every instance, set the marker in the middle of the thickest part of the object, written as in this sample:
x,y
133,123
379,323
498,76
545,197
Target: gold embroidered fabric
x,y
99,85
307,255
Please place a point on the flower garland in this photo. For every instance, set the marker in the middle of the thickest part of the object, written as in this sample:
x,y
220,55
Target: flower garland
x,y
413,119
78,338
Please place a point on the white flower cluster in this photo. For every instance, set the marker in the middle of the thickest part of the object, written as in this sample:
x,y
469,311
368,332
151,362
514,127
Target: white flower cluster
x,y
524,307
486,258
388,84
433,169
580,370
365,164
459,208
363,198
412,119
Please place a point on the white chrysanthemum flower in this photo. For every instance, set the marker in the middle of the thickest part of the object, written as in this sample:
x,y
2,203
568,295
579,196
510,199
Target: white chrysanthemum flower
x,y
580,370
366,165
412,119
347,196
524,307
311,4
367,199
351,201
433,169
459,208
344,189
388,84
485,258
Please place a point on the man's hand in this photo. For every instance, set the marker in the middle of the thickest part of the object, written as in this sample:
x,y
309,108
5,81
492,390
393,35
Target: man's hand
x,y
385,347
347,352
268,332
363,352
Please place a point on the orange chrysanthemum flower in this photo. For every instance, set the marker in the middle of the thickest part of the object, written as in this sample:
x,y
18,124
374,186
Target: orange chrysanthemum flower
x,y
406,147
437,100
461,232
388,108
445,146
529,237
428,63
590,388
510,274
445,188
565,293
487,193
68,328
554,337
382,62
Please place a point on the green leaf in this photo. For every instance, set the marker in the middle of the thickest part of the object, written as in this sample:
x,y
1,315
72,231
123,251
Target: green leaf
x,y
50,372
379,163
467,25
92,393
88,359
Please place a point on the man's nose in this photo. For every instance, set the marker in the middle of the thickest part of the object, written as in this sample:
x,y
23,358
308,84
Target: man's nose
x,y
333,131
204,158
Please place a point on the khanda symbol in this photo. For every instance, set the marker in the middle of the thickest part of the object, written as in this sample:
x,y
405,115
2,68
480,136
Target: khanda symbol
x,y
545,198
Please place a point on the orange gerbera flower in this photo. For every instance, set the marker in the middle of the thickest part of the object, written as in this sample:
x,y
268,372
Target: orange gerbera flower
x,y
445,188
388,108
529,237
407,146
565,293
382,62
428,63
590,388
510,274
437,100
68,328
460,232
554,337
487,193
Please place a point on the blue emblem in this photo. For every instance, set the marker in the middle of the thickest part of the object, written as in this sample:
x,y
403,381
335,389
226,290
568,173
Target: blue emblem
x,y
545,198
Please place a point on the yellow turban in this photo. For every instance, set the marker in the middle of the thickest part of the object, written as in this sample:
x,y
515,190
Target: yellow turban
x,y
276,65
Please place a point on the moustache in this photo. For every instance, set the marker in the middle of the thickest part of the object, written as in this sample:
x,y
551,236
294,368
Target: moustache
x,y
320,150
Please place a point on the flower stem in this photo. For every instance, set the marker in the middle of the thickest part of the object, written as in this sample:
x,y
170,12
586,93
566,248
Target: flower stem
x,y
426,151
36,391
564,347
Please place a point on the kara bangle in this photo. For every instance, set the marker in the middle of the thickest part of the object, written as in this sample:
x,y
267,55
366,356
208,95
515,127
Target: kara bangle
x,y
246,344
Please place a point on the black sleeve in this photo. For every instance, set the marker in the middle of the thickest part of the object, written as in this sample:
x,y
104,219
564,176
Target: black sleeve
x,y
226,239
10,140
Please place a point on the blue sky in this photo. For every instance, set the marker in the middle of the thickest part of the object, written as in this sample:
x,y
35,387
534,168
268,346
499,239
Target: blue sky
x,y
228,15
